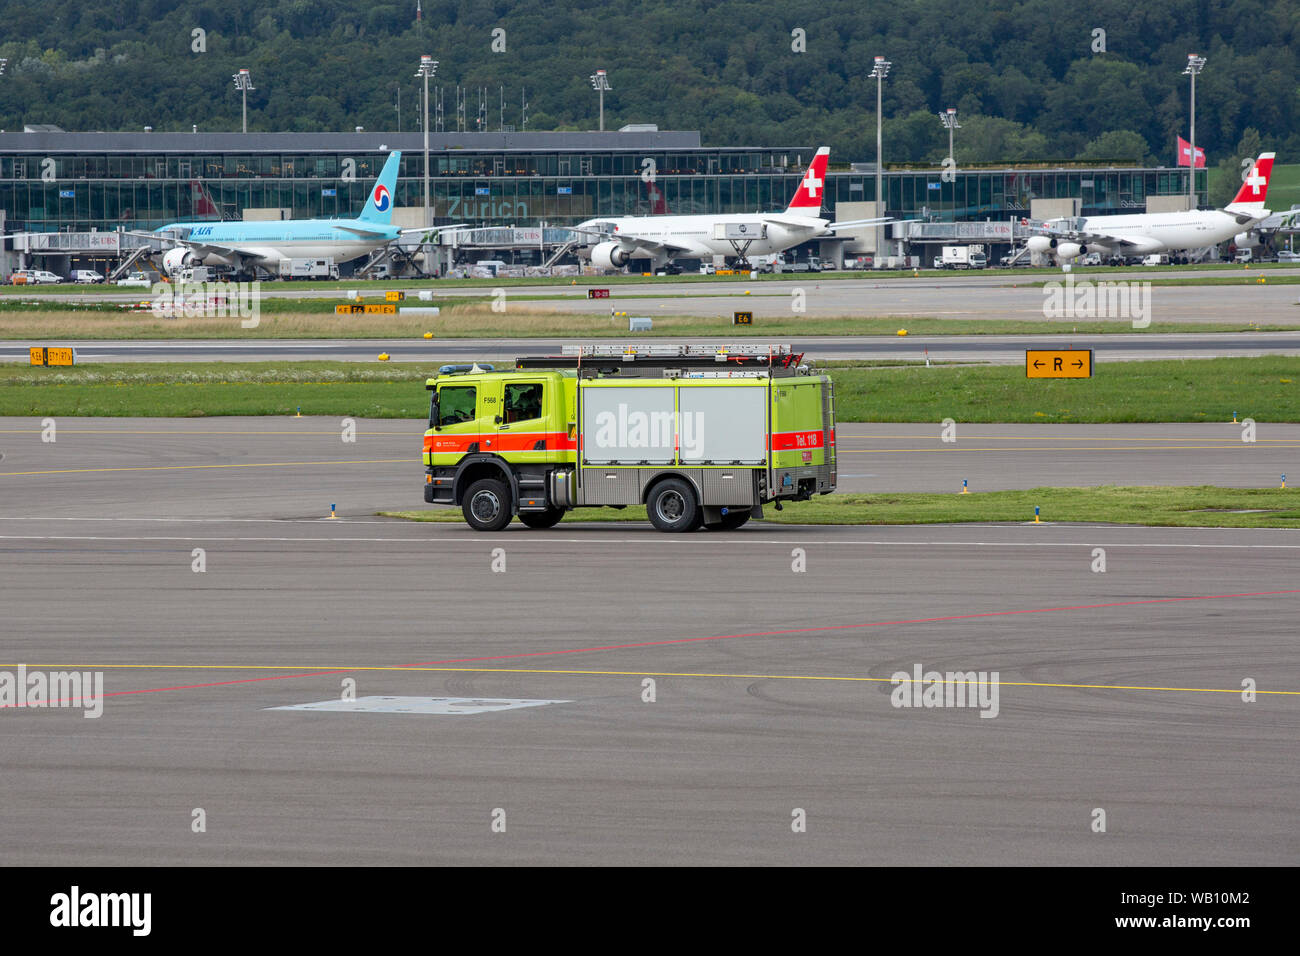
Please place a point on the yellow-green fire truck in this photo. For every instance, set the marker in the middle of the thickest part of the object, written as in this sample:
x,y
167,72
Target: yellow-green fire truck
x,y
702,436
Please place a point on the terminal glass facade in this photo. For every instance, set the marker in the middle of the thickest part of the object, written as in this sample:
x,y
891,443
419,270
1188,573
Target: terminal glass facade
x,y
45,192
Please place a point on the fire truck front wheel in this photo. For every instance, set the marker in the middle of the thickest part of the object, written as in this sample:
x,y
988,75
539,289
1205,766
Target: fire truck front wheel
x,y
672,507
487,505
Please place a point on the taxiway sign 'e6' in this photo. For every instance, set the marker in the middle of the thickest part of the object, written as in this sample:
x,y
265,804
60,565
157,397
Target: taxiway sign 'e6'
x,y
1058,363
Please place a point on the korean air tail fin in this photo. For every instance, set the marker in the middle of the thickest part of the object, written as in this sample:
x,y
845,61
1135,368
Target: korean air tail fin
x,y
808,197
379,206
1254,190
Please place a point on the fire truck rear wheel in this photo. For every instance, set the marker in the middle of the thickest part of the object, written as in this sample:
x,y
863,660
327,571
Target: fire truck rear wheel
x,y
542,519
487,505
672,507
730,521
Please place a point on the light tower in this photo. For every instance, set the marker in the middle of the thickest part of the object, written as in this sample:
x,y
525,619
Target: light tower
x,y
428,68
244,82
600,83
879,71
1194,66
949,118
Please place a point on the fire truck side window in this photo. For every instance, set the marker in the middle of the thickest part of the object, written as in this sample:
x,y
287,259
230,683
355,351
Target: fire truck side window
x,y
523,402
456,404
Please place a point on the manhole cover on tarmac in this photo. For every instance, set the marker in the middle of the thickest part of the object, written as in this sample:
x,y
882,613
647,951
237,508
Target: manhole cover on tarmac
x,y
420,706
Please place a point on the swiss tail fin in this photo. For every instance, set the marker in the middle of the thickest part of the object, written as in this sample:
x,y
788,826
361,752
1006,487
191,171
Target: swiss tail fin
x,y
201,203
379,206
808,197
1254,189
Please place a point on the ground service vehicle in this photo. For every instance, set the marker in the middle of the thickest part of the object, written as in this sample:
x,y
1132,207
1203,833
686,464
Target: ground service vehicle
x,y
308,269
962,257
702,436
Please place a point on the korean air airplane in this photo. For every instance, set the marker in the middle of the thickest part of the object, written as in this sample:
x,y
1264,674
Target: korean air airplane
x,y
245,246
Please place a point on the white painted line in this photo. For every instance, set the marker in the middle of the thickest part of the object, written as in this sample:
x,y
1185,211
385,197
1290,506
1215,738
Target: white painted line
x,y
549,540
420,706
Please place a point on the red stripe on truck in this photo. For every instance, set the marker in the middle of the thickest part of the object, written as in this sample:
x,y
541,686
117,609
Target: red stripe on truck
x,y
784,441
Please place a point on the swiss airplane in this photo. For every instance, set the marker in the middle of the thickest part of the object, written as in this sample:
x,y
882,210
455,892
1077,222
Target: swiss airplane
x,y
243,245
1149,233
613,243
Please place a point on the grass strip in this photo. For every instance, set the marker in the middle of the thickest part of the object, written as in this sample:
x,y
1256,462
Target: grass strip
x,y
1203,506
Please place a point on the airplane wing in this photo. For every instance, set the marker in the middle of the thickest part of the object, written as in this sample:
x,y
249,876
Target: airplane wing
x,y
636,246
203,248
1106,238
845,224
432,229
779,220
1246,218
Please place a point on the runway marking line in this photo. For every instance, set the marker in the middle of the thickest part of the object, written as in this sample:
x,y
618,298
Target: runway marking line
x,y
320,670
258,464
317,670
1230,440
211,434
521,539
896,451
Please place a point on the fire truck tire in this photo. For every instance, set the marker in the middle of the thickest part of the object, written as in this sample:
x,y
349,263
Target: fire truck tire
x,y
730,521
672,507
542,519
487,505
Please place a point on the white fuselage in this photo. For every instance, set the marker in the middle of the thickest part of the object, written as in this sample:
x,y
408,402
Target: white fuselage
x,y
698,235
1154,232
268,243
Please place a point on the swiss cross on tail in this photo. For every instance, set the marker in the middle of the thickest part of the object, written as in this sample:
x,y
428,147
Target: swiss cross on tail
x,y
809,194
1254,188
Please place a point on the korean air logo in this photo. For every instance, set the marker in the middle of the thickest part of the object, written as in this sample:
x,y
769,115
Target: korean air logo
x,y
382,200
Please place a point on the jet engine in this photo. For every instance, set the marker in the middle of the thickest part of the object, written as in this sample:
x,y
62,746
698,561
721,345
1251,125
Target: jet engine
x,y
609,255
1041,243
174,260
1068,250
1246,240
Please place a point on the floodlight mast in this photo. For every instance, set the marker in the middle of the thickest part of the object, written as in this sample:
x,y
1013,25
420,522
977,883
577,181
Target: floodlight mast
x,y
1195,64
600,83
428,68
244,82
879,71
949,118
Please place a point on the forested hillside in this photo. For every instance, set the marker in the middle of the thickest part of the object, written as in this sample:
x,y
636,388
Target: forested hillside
x,y
1023,73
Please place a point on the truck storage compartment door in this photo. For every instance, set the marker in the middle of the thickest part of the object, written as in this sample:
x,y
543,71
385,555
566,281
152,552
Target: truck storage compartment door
x,y
628,424
723,424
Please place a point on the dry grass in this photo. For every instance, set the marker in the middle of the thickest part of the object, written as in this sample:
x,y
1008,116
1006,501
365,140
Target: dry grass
x,y
457,321
477,320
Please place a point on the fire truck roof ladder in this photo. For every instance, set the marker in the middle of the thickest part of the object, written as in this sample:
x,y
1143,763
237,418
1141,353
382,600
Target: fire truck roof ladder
x,y
658,355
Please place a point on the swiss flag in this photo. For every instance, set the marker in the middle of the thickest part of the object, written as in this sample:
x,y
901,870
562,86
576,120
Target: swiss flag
x,y
1185,152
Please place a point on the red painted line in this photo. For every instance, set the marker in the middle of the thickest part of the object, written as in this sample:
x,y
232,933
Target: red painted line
x,y
729,637
838,627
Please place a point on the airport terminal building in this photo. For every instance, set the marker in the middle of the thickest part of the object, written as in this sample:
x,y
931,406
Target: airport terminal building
x,y
52,181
